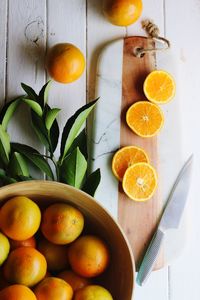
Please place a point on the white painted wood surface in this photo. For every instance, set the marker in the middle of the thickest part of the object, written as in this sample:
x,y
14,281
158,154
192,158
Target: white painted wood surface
x,y
27,26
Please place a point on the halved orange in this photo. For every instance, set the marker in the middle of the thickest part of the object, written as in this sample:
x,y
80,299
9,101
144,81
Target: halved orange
x,y
145,119
159,87
126,157
140,182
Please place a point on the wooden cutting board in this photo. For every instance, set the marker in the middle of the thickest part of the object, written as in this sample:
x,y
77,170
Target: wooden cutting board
x,y
120,77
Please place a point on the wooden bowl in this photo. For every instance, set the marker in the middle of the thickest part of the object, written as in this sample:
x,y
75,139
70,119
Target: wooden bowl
x,y
119,278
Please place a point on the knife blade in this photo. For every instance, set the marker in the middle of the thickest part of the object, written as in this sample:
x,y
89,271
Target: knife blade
x,y
170,219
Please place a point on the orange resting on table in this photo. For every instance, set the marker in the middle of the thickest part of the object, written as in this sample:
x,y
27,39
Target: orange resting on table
x,y
126,157
122,12
89,256
159,87
140,182
145,119
65,63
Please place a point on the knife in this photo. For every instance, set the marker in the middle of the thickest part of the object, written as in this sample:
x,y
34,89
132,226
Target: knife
x,y
170,219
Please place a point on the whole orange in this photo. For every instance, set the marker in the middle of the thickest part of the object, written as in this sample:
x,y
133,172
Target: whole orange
x,y
89,256
53,288
4,248
93,292
62,223
77,282
56,255
25,266
17,292
122,12
31,242
65,63
20,218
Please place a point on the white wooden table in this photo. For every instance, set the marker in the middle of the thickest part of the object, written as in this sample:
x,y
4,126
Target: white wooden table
x,y
28,27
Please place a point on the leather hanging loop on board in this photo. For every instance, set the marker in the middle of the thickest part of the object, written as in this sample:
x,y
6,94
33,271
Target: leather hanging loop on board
x,y
153,31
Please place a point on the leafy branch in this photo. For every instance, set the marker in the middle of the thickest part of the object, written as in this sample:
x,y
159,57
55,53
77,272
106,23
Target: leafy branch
x,y
72,165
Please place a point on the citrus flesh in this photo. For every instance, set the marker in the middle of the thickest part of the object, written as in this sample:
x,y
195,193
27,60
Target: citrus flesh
x,y
145,119
159,87
126,157
140,182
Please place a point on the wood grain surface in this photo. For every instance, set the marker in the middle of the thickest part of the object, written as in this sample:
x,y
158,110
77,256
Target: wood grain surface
x,y
138,220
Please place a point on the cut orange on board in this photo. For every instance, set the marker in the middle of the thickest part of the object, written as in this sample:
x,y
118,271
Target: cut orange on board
x,y
145,118
140,182
126,157
159,87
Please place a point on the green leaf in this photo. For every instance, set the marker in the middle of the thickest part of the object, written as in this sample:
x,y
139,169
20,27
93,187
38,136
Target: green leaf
x,y
40,129
34,156
50,117
43,94
34,106
17,165
73,127
30,92
53,134
80,142
4,145
6,179
8,111
92,182
74,168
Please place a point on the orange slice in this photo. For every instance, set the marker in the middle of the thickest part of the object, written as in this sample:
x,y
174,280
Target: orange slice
x,y
140,182
126,157
159,87
145,119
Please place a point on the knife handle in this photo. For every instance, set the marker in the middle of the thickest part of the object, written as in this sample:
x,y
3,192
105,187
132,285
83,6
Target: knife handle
x,y
150,257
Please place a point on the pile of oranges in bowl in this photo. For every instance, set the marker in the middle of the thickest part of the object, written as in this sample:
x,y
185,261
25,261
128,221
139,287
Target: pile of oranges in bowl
x,y
46,254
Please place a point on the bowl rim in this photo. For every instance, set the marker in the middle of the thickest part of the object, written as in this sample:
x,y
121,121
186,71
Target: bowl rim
x,y
9,189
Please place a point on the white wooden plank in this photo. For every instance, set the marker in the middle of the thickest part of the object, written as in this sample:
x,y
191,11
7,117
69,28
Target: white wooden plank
x,y
3,37
184,274
26,47
67,23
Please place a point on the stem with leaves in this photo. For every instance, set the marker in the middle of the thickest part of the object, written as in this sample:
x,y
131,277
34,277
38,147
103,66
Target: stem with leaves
x,y
71,167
